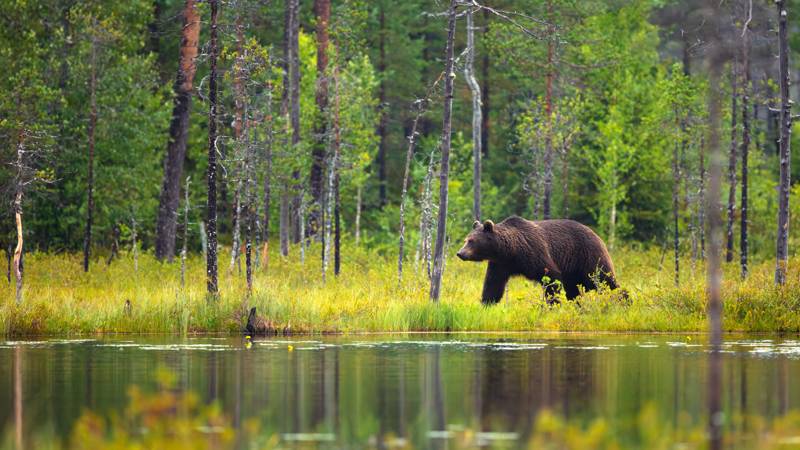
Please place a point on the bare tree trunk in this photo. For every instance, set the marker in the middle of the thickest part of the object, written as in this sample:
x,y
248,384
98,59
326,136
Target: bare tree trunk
x,y
238,163
701,219
477,122
421,106
328,214
211,208
337,142
444,170
732,163
322,9
412,138
284,221
284,214
294,107
87,238
784,186
18,188
426,216
250,203
676,179
714,273
485,92
746,88
267,177
185,232
178,132
548,143
382,124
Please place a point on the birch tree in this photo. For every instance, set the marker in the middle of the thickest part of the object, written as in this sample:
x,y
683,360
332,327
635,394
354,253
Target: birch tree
x,y
784,184
87,237
745,148
211,174
732,156
477,121
444,170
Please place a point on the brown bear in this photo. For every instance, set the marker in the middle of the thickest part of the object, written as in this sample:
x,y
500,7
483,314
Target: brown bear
x,y
560,249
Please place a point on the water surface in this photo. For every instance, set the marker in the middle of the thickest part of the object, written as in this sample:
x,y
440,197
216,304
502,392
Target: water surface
x,y
417,390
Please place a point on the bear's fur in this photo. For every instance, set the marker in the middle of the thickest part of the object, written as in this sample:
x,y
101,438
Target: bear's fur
x,y
562,250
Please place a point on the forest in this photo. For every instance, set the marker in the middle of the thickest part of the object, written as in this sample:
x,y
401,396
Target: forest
x,y
160,150
236,224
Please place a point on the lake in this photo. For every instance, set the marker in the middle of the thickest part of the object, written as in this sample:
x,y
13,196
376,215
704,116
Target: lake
x,y
404,390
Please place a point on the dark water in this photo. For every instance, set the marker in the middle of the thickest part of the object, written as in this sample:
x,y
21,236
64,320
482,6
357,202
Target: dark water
x,y
421,391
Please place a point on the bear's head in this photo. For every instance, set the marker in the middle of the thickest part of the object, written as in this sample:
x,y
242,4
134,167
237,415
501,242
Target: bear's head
x,y
480,244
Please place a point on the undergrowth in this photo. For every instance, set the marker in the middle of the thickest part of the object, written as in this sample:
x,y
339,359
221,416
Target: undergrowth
x,y
60,299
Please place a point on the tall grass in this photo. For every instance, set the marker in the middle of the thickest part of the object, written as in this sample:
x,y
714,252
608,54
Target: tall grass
x,y
59,298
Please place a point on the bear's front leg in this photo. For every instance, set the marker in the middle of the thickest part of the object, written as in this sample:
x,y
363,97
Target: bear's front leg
x,y
494,285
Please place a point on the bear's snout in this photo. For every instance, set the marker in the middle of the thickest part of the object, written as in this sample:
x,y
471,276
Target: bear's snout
x,y
462,255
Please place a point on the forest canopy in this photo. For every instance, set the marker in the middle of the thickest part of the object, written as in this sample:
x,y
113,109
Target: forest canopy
x,y
591,110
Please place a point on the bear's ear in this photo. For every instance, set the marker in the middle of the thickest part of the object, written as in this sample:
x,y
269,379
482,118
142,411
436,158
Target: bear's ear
x,y
488,226
475,224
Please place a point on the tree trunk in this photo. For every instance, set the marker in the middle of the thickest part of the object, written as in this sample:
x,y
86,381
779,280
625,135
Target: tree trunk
x,y
18,187
294,106
166,223
444,170
185,232
382,124
267,178
322,8
337,141
284,221
743,244
284,214
87,238
238,164
701,219
249,201
732,163
412,139
548,143
485,92
676,179
474,87
211,176
784,186
426,215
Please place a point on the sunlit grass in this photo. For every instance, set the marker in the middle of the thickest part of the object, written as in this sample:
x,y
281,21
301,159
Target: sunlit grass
x,y
59,298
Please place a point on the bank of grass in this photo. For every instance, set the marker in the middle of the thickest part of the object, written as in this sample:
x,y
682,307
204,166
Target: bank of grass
x,y
60,299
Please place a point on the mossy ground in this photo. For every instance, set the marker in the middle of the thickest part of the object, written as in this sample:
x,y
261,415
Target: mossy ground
x,y
60,299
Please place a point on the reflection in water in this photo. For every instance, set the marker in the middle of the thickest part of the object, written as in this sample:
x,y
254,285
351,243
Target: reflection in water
x,y
446,392
18,397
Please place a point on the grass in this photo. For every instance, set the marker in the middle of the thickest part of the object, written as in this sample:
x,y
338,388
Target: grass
x,y
60,299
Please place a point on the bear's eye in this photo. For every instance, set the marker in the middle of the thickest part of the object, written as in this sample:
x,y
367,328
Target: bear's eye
x,y
469,241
